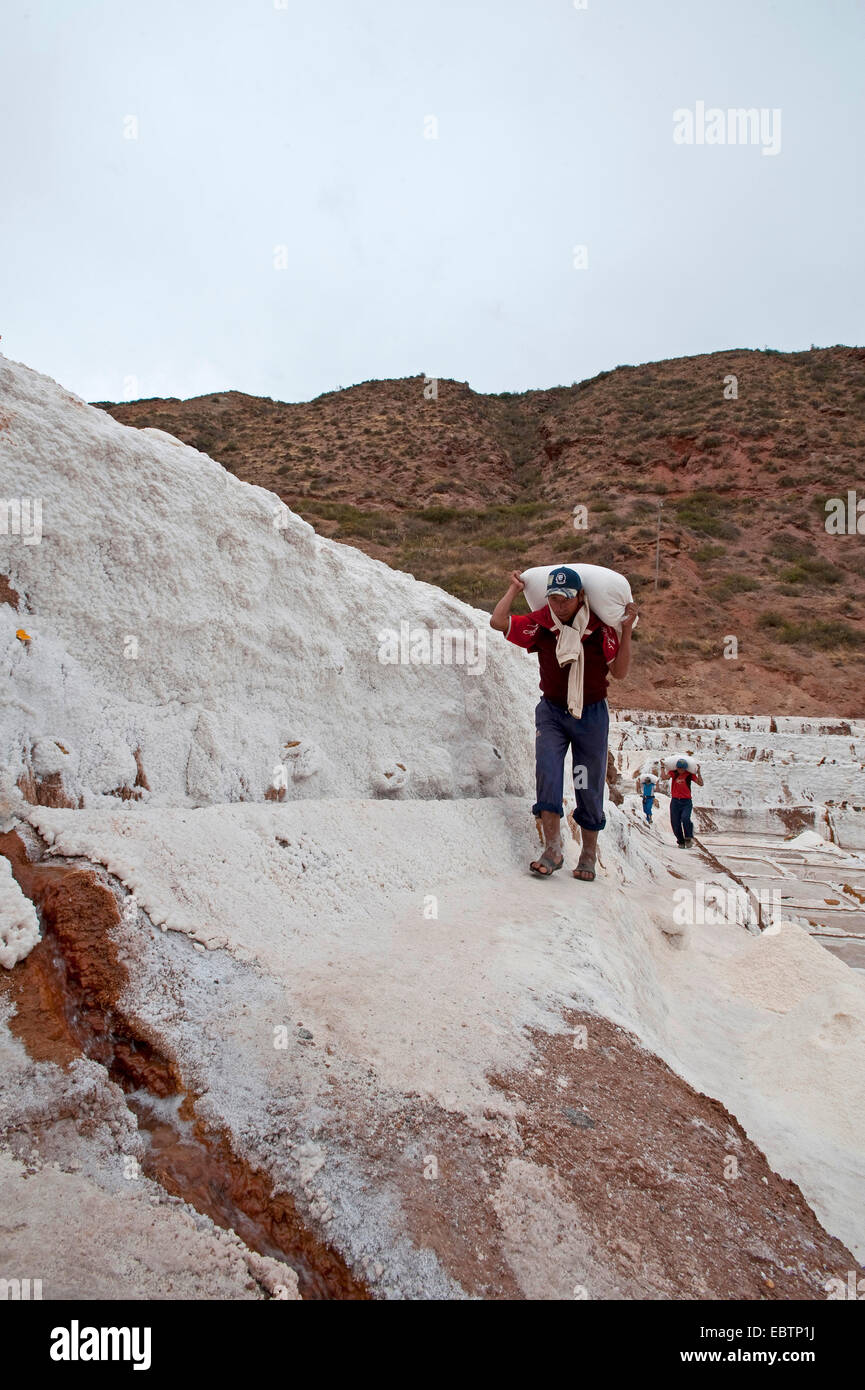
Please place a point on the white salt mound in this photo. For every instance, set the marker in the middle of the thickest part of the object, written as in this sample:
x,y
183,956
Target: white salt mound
x,y
808,839
19,925
778,969
180,613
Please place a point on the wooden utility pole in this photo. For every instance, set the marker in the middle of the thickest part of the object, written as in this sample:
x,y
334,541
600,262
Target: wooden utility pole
x,y
658,545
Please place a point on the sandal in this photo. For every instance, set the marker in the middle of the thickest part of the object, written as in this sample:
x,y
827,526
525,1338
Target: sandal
x,y
549,864
585,870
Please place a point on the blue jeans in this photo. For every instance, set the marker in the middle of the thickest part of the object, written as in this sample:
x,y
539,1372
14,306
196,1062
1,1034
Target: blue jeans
x,y
556,731
680,817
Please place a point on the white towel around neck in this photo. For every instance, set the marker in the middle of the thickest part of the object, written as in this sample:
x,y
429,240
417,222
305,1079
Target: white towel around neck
x,y
569,649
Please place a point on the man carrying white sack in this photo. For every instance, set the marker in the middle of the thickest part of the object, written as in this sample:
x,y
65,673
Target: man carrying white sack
x,y
576,652
681,778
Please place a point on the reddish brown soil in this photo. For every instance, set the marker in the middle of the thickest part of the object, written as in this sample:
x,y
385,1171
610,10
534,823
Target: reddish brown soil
x,y
201,1166
648,1174
646,1177
8,594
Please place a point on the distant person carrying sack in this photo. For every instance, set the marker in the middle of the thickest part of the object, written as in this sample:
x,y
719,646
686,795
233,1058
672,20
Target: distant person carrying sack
x,y
647,791
576,652
680,800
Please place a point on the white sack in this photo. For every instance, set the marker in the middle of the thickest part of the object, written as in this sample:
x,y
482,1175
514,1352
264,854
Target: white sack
x,y
670,763
607,591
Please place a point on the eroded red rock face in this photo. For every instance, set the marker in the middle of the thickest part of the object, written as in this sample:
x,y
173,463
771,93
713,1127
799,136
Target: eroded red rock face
x,y
46,791
76,955
8,594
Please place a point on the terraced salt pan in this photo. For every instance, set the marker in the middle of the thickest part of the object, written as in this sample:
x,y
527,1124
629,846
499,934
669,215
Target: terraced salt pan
x,y
749,760
813,882
748,723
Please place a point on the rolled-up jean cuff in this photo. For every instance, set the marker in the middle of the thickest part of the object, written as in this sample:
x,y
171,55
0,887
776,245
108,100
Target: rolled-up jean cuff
x,y
588,825
540,806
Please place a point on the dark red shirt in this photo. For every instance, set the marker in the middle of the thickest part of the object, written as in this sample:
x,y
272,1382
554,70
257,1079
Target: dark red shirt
x,y
537,632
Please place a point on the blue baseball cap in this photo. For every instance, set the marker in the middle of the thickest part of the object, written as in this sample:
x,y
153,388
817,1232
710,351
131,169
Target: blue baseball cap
x,y
682,762
564,581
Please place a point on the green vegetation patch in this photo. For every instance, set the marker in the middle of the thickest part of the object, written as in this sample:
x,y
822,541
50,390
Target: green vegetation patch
x,y
733,584
704,511
787,546
826,634
352,521
814,570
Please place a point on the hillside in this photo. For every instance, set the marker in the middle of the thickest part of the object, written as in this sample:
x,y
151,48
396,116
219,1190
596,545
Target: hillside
x,y
460,489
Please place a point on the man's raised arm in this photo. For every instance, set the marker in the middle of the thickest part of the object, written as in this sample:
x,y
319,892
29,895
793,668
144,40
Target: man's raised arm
x,y
621,663
500,616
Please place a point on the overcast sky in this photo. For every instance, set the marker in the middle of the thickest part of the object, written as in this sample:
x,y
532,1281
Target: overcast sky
x,y
210,194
